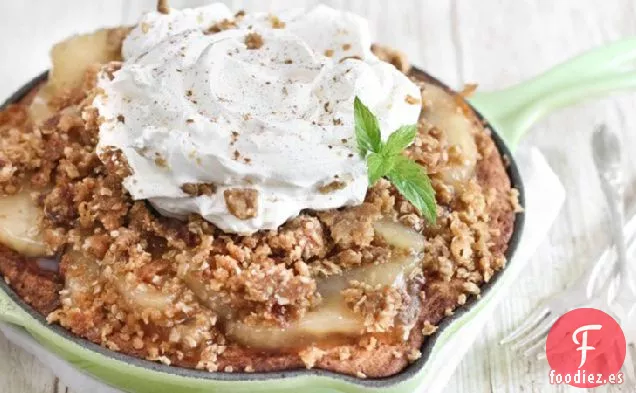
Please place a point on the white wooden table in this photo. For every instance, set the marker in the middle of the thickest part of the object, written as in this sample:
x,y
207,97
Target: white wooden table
x,y
492,42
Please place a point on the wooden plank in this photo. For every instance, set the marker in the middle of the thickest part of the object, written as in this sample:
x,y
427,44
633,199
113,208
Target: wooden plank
x,y
61,388
493,42
20,372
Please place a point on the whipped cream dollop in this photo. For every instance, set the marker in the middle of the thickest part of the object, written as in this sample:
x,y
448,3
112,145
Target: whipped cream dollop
x,y
256,110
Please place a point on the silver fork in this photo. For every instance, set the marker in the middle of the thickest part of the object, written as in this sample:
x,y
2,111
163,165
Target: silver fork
x,y
585,291
533,330
621,290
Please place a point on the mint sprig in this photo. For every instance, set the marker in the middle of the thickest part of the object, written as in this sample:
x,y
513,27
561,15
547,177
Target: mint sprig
x,y
367,128
385,159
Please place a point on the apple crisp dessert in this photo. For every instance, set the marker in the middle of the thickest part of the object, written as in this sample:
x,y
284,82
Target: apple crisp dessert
x,y
352,287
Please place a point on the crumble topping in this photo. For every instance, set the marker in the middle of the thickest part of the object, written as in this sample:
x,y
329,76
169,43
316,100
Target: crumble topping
x,y
310,356
378,305
276,22
412,100
514,200
226,24
391,55
331,187
254,41
414,354
163,7
352,227
242,202
21,152
198,189
468,90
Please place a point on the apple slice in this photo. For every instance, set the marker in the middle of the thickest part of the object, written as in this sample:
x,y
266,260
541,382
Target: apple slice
x,y
83,271
333,317
39,108
399,235
207,296
142,296
20,224
442,111
315,325
72,57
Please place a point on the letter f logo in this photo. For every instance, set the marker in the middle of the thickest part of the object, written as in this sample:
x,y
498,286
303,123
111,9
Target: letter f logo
x,y
583,343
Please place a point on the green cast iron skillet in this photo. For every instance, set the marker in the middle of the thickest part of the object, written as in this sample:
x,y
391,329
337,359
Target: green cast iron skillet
x,y
508,113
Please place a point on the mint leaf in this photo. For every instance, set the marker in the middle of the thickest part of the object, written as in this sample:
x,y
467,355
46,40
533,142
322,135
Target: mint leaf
x,y
414,185
374,167
387,160
400,140
378,165
367,129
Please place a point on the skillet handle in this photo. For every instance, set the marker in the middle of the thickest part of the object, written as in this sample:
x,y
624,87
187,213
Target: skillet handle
x,y
512,111
10,312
